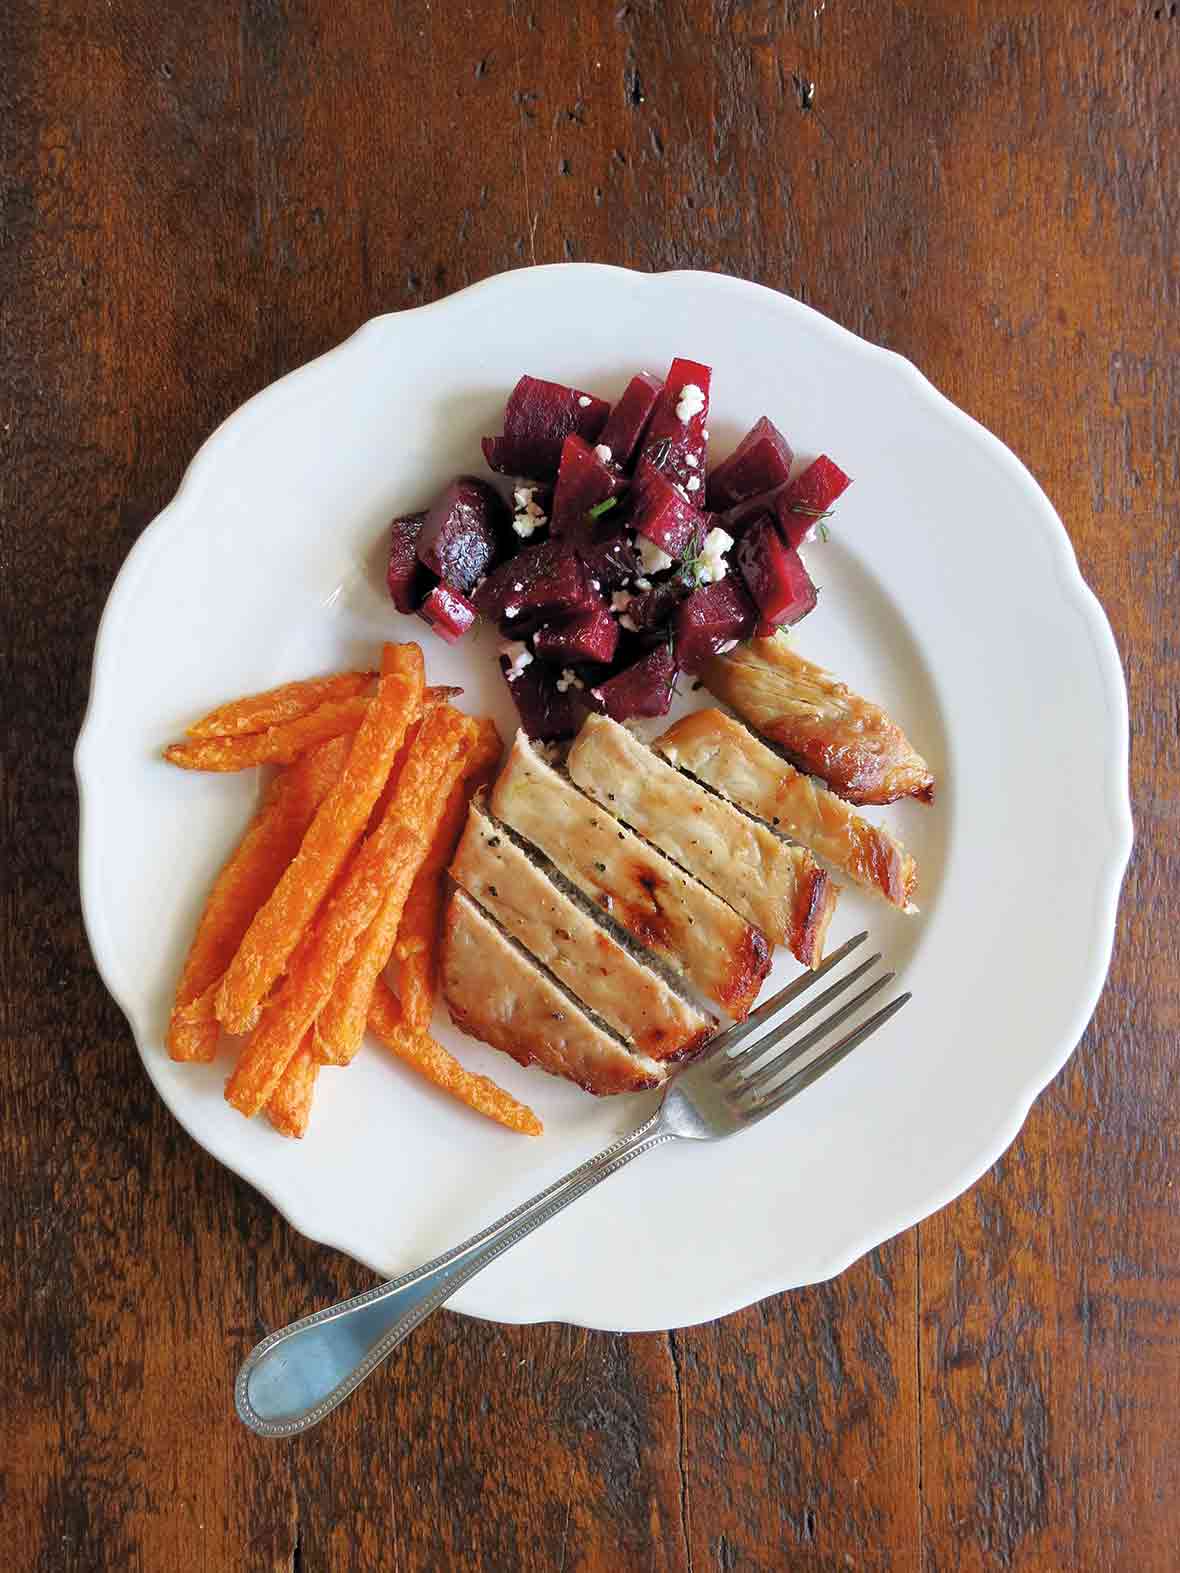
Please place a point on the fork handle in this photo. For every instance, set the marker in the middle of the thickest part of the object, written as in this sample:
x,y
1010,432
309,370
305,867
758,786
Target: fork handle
x,y
296,1376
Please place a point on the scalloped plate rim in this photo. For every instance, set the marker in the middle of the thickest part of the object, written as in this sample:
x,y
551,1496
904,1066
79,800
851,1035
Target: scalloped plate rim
x,y
1115,855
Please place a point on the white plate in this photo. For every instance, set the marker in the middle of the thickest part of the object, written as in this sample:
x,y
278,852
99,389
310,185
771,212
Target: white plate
x,y
950,594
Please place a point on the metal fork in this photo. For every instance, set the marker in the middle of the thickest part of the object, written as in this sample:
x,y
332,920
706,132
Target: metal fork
x,y
295,1377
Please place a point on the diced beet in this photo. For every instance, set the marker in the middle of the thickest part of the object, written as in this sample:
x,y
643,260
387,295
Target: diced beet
x,y
498,453
710,618
612,561
678,446
449,613
542,582
759,463
583,481
774,574
628,420
588,636
654,607
643,689
546,713
810,494
409,583
737,519
463,533
538,417
661,513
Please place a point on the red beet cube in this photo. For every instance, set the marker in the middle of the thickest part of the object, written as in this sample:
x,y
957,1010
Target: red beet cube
x,y
812,492
661,512
463,533
759,463
675,438
737,519
583,481
774,574
449,613
655,606
611,561
644,689
628,420
546,712
409,583
710,618
542,582
588,636
538,417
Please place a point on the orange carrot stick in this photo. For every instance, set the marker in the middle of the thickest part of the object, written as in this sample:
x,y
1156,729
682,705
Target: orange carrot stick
x,y
430,1059
257,712
249,876
340,1026
278,745
334,832
289,1106
388,860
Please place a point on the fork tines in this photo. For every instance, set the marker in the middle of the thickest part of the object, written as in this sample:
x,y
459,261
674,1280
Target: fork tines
x,y
751,1081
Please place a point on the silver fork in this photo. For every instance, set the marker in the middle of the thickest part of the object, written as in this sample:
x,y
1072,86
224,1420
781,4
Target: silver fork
x,y
295,1377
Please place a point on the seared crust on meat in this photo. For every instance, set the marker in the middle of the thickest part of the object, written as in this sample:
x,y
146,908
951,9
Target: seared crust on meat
x,y
496,993
579,952
726,756
824,727
778,887
658,904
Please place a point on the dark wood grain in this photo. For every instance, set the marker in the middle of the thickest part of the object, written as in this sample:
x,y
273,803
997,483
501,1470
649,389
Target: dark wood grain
x,y
193,200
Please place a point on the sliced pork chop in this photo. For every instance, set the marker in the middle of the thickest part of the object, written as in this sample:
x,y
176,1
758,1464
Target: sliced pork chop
x,y
779,887
726,756
658,904
826,729
627,994
495,992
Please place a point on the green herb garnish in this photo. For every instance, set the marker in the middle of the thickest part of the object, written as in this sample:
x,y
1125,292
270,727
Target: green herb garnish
x,y
600,508
691,558
818,514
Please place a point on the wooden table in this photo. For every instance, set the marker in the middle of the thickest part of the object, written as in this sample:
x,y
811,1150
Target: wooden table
x,y
200,197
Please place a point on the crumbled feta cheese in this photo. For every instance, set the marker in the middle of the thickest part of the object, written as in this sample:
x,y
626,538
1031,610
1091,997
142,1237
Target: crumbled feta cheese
x,y
694,483
690,403
692,461
652,557
518,586
585,401
596,584
712,567
518,656
568,679
643,584
529,515
511,611
724,649
604,453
